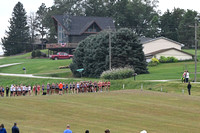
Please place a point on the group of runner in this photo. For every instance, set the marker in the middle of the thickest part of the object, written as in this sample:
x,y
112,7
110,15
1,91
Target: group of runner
x,y
55,88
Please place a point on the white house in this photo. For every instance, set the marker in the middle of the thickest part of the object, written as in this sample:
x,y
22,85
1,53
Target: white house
x,y
162,46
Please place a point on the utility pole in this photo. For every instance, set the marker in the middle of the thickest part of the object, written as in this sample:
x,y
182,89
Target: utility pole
x,y
196,43
195,73
109,48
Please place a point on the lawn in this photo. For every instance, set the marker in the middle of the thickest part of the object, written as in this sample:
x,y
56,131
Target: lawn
x,y
170,71
126,111
129,83
47,67
192,51
33,66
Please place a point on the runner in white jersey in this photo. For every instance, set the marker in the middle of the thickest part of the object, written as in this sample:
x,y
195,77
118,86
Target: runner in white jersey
x,y
19,90
11,90
24,90
29,90
14,90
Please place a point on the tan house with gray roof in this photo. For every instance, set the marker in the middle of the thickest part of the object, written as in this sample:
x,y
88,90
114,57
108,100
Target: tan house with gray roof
x,y
162,46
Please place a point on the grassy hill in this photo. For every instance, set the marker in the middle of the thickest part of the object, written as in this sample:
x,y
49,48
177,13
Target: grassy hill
x,y
47,67
121,111
33,66
125,110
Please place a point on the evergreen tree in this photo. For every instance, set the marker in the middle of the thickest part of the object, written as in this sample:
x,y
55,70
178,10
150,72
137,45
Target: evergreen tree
x,y
92,54
17,38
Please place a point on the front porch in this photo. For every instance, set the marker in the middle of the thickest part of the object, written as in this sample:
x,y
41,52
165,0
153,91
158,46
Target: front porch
x,y
62,47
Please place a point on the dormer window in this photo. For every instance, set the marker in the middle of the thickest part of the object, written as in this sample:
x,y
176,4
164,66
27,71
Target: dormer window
x,y
93,28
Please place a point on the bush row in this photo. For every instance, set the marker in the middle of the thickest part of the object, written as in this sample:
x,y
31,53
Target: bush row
x,y
167,59
118,73
155,61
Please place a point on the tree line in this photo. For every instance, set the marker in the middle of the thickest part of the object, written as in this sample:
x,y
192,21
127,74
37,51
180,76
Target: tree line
x,y
141,16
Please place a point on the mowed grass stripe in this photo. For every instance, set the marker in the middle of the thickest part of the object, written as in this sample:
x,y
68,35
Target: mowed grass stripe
x,y
121,111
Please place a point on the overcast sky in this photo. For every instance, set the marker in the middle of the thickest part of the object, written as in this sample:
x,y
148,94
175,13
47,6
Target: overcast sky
x,y
6,8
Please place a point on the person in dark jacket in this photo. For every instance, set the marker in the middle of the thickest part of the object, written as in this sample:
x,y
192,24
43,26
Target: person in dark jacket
x,y
15,129
87,131
189,86
107,131
7,90
2,129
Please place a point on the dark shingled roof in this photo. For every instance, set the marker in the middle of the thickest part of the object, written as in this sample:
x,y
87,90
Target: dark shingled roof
x,y
79,24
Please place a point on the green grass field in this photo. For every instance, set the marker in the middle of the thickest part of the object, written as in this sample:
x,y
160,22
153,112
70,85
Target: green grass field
x,y
192,51
127,111
33,66
47,67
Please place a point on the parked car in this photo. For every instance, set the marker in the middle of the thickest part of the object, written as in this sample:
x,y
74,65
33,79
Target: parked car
x,y
61,55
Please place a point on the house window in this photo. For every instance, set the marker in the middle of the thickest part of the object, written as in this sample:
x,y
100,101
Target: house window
x,y
93,28
62,37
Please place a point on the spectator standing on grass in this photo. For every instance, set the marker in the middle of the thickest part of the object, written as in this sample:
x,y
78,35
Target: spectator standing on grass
x,y
107,131
15,129
2,129
87,131
189,86
183,77
68,129
187,76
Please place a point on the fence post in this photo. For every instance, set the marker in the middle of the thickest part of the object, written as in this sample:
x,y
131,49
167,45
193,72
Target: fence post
x,y
141,87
